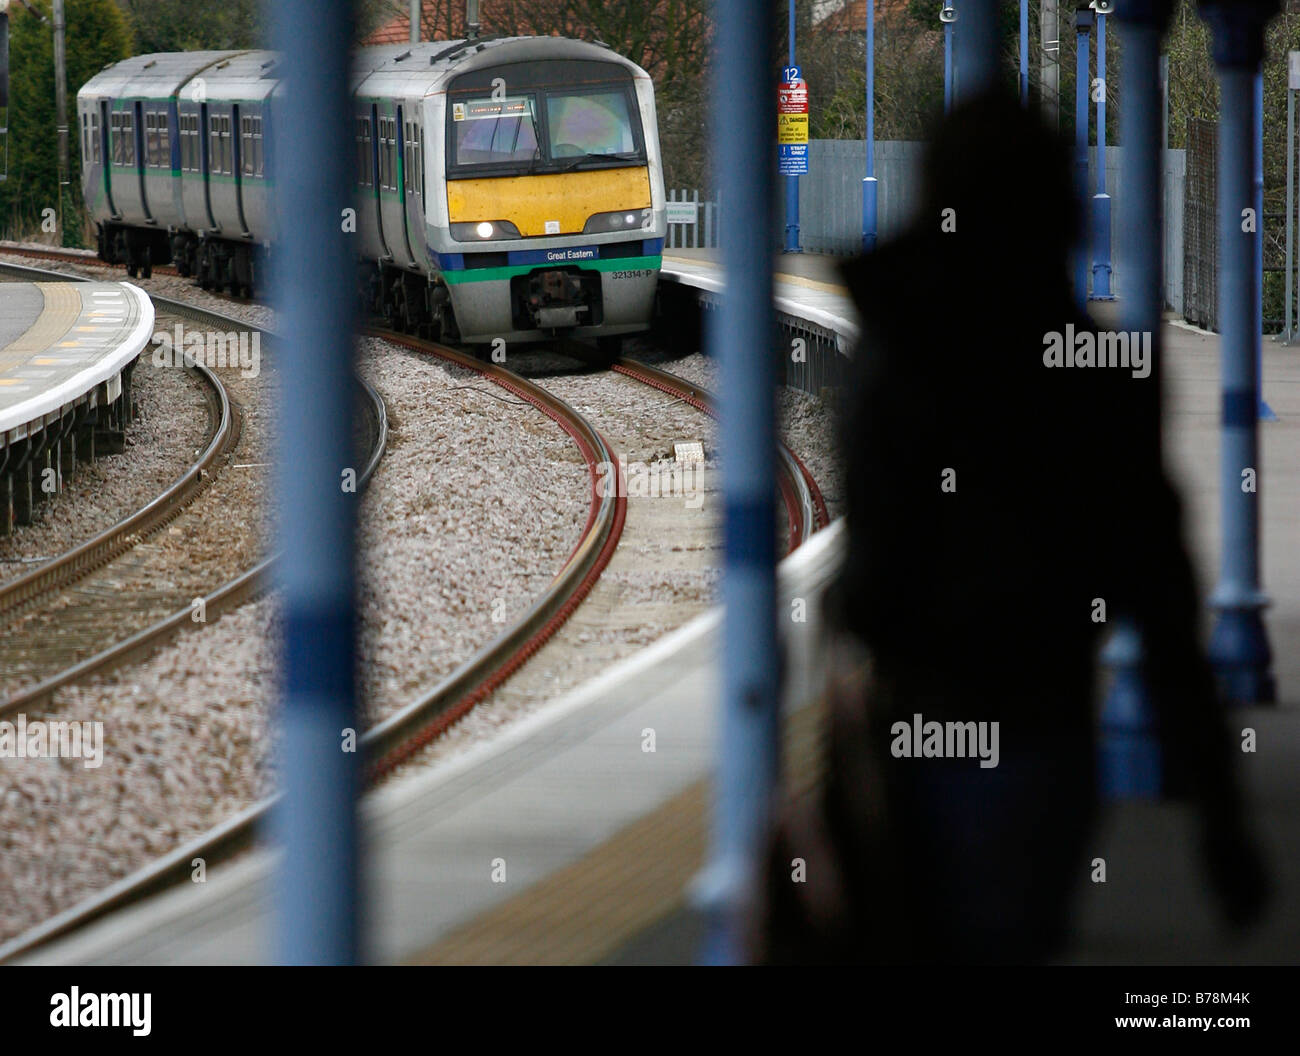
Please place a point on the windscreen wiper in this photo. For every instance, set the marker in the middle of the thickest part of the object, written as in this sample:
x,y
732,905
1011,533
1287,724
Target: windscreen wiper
x,y
625,155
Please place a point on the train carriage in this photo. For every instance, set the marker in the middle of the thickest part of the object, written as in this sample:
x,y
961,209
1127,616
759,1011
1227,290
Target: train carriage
x,y
504,188
130,153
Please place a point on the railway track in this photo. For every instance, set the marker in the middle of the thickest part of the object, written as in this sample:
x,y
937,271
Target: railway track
x,y
388,743
393,740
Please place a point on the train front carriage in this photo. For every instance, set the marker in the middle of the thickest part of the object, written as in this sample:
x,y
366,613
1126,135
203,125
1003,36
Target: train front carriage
x,y
552,221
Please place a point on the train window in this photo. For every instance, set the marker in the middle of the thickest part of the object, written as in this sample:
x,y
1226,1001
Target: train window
x,y
246,144
591,123
151,140
164,142
128,137
190,153
94,137
259,147
406,156
365,175
387,154
492,131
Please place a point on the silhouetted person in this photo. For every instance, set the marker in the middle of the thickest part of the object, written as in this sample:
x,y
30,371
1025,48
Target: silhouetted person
x,y
991,499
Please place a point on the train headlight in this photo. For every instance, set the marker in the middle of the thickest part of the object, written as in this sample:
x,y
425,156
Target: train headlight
x,y
484,230
619,221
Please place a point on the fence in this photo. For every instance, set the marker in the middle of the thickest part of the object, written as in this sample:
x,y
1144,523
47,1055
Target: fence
x,y
830,204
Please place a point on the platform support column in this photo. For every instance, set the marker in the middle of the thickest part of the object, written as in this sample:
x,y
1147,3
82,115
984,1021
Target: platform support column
x,y
22,482
1239,647
1129,755
7,503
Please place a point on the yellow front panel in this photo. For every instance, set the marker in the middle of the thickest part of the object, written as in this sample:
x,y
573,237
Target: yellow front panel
x,y
568,198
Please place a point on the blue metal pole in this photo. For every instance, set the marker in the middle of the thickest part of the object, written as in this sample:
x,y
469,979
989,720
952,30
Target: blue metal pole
x,y
1024,53
1101,269
1257,128
314,290
1239,648
742,340
949,16
792,182
1129,752
1082,24
869,185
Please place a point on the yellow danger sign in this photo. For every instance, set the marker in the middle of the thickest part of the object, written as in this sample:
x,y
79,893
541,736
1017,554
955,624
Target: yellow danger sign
x,y
792,128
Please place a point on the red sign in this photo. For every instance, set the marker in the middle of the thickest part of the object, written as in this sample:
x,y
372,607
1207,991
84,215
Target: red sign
x,y
792,97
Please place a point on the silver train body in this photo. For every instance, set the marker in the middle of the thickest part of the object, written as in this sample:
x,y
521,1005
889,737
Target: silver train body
x,y
504,188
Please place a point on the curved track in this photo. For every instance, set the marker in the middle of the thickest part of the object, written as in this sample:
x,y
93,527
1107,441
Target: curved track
x,y
391,741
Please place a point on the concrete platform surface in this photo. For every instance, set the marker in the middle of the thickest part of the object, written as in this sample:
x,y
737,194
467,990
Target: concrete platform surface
x,y
61,341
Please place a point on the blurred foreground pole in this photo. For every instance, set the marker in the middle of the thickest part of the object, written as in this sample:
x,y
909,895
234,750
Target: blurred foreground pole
x,y
1239,648
1129,756
743,340
414,15
313,289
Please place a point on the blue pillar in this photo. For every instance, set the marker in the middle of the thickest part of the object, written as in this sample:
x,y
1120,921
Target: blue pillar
x,y
1239,648
1101,200
1257,127
1130,765
1024,53
869,186
948,16
1083,21
792,182
743,338
314,289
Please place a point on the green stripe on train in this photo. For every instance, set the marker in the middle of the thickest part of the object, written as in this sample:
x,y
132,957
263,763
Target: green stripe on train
x,y
453,278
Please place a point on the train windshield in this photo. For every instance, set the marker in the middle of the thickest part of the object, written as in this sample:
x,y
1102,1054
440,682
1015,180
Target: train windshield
x,y
580,125
548,130
495,131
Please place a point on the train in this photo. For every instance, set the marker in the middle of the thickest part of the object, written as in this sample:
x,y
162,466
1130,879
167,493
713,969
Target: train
x,y
504,188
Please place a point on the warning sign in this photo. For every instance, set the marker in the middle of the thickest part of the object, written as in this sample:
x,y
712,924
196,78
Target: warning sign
x,y
792,128
792,123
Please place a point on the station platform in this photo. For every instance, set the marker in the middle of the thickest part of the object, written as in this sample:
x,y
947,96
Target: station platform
x,y
64,345
565,841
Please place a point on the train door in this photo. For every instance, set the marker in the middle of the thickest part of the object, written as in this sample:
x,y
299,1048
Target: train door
x,y
105,152
205,149
404,178
378,149
237,146
140,159
173,160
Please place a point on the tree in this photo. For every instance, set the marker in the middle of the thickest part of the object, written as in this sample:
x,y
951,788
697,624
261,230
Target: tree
x,y
97,35
184,25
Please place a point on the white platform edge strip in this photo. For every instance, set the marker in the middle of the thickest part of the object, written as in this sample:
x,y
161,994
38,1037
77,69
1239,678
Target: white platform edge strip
x,y
109,366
